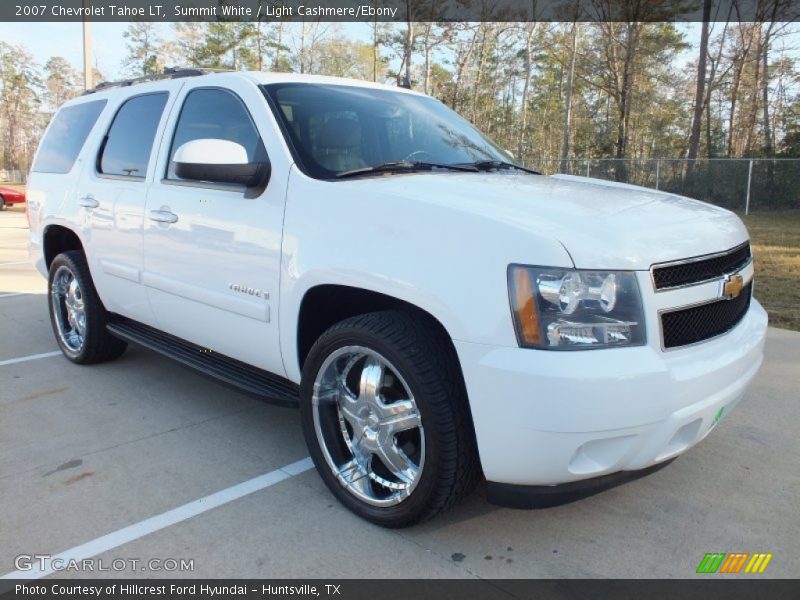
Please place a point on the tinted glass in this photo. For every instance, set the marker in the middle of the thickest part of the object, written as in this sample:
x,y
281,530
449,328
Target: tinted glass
x,y
65,137
337,128
215,114
130,139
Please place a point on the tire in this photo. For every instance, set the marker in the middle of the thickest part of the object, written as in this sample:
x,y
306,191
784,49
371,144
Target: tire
x,y
411,415
2,203
81,333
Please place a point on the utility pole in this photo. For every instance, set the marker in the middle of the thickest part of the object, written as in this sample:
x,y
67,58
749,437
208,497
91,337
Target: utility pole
x,y
88,71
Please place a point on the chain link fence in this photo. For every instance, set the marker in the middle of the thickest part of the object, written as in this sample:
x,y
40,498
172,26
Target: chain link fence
x,y
745,184
741,184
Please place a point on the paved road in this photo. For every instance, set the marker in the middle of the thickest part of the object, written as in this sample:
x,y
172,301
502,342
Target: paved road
x,y
91,451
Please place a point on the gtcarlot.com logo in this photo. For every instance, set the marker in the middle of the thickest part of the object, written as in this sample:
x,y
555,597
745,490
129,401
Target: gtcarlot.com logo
x,y
734,562
47,562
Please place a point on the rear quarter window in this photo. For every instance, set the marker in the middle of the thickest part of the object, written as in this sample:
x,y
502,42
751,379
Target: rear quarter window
x,y
66,136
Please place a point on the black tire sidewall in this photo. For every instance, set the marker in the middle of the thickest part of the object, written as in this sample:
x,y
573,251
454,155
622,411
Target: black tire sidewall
x,y
413,508
94,311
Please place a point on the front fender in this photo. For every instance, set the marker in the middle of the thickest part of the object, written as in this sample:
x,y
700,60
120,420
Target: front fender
x,y
450,263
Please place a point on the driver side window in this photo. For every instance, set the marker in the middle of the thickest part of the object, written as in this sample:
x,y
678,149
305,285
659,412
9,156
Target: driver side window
x,y
214,113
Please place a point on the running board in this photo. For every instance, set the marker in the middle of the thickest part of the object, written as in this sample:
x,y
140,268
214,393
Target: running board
x,y
243,377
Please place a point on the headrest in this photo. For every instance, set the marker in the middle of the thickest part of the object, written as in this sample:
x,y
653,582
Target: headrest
x,y
340,133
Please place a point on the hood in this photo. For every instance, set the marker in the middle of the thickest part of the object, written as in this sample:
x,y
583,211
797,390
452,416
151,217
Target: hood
x,y
602,224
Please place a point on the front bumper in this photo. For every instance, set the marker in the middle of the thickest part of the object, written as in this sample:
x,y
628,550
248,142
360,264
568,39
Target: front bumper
x,y
547,418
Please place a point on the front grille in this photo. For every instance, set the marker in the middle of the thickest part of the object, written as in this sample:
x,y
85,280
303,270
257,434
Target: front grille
x,y
698,323
702,269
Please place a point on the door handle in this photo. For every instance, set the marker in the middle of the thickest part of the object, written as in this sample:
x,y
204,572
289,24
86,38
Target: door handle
x,y
88,201
163,216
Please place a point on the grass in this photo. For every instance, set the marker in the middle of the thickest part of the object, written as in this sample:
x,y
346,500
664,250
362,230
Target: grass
x,y
775,238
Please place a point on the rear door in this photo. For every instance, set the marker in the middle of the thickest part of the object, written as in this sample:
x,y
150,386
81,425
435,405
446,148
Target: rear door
x,y
112,193
212,251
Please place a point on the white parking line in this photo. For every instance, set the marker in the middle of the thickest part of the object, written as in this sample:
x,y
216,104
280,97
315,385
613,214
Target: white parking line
x,y
171,517
13,361
21,262
12,294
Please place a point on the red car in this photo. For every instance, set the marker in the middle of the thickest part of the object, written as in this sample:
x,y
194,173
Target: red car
x,y
9,197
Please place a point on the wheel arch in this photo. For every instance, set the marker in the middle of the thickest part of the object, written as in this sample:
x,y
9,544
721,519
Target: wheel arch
x,y
323,305
57,239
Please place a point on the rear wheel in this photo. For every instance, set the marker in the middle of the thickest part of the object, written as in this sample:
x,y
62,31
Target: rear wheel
x,y
386,418
77,315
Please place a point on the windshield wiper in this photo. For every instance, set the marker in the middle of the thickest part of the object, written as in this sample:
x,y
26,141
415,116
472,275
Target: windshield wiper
x,y
488,165
401,166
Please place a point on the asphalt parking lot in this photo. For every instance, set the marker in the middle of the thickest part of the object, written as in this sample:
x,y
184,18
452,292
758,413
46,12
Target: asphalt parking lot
x,y
127,459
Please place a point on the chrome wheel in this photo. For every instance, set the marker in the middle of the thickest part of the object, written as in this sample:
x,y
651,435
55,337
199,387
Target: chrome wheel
x,y
368,426
69,309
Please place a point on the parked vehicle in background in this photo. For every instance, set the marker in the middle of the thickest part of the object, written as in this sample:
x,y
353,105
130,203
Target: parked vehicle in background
x,y
9,197
436,311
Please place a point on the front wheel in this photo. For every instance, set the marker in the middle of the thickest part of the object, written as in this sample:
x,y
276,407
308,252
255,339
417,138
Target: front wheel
x,y
386,418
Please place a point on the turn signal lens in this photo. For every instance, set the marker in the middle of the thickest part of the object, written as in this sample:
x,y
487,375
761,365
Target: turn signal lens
x,y
524,307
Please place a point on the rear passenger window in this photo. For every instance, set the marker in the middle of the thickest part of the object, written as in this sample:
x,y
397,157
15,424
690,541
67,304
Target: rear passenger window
x,y
65,137
210,113
129,141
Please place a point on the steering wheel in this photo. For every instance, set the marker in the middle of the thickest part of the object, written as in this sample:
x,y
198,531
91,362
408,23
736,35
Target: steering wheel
x,y
416,153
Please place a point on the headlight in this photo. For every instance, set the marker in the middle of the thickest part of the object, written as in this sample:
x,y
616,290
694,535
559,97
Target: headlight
x,y
568,309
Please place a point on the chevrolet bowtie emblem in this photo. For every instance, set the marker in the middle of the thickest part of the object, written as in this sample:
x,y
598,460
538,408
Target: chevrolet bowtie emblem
x,y
732,286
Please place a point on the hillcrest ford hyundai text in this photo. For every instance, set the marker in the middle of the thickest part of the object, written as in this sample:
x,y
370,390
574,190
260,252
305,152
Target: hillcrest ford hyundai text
x,y
439,313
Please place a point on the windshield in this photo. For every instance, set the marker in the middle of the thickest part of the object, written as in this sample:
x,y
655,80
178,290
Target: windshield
x,y
335,129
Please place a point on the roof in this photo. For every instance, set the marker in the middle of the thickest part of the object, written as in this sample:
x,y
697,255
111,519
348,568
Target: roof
x,y
257,77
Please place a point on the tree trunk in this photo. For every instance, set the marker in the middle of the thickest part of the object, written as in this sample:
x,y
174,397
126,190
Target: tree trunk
x,y
756,89
408,46
525,91
768,145
303,48
624,109
712,77
478,72
568,99
260,46
427,77
460,71
694,138
426,46
739,63
375,49
737,78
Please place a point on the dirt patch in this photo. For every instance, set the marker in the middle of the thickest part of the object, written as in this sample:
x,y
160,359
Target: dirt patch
x,y
78,477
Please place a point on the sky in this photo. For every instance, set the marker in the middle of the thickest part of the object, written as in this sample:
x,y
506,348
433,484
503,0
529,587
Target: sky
x,y
44,40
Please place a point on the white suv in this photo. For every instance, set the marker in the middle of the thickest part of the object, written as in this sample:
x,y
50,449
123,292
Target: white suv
x,y
437,311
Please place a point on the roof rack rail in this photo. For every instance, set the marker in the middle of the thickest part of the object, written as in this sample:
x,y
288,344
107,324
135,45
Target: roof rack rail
x,y
168,73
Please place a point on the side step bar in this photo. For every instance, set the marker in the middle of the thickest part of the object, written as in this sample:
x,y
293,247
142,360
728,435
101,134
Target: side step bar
x,y
243,377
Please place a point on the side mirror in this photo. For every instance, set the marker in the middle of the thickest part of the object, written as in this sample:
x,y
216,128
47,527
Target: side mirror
x,y
219,161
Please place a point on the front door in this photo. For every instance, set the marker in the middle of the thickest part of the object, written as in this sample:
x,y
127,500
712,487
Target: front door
x,y
212,251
